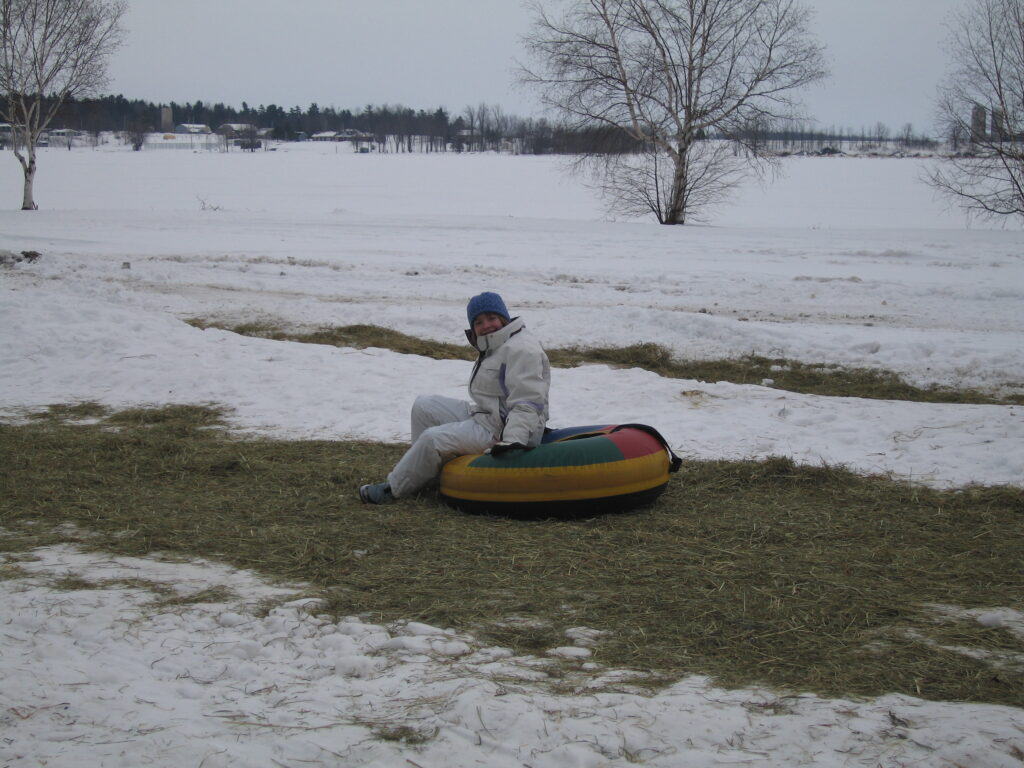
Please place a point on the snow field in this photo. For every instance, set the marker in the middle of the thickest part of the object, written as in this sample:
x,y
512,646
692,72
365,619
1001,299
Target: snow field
x,y
807,267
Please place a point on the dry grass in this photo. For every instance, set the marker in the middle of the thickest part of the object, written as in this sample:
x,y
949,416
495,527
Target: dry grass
x,y
12,571
356,336
791,375
754,572
214,594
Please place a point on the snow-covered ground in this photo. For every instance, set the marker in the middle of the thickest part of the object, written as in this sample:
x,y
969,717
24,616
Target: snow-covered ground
x,y
841,260
845,260
100,677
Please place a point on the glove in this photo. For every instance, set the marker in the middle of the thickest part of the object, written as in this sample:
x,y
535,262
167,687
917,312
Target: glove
x,y
498,449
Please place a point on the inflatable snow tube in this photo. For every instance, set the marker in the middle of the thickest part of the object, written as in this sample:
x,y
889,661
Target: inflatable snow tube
x,y
573,472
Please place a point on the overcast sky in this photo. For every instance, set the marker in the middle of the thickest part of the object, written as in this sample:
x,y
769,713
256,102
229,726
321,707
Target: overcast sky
x,y
886,55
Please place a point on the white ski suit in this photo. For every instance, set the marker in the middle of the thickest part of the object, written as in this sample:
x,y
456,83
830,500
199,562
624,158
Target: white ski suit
x,y
509,391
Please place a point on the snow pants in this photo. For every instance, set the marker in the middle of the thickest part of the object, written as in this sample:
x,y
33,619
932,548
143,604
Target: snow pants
x,y
442,429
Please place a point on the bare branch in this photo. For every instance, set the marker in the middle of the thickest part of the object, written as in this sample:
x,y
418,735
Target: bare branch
x,y
669,73
52,50
986,82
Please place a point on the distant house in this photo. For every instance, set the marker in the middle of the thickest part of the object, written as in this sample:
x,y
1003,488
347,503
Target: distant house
x,y
234,130
64,137
348,134
193,128
467,137
7,137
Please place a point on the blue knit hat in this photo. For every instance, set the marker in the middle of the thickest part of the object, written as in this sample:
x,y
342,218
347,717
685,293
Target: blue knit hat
x,y
486,302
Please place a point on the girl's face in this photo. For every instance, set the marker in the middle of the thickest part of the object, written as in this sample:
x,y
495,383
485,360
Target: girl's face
x,y
487,322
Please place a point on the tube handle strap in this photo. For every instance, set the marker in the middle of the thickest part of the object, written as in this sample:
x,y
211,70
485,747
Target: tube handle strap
x,y
675,461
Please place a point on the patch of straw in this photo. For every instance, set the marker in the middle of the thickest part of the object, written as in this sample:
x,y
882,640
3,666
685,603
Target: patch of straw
x,y
801,578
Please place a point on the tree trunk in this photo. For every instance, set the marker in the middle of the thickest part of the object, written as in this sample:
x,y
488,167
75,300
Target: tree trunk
x,y
27,203
675,206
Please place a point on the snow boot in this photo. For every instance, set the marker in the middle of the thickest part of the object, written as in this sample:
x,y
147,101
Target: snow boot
x,y
375,493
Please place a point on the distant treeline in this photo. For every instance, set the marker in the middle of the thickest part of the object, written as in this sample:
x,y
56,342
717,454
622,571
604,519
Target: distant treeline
x,y
394,128
797,137
398,128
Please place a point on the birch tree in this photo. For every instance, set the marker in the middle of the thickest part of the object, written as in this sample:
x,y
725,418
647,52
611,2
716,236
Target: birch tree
x,y
986,47
671,73
52,50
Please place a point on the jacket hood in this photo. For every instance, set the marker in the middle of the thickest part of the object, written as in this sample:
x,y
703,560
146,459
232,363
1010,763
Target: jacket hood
x,y
493,341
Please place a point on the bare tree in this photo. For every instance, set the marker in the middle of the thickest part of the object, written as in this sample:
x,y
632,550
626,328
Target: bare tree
x,y
907,134
986,47
483,126
670,73
472,117
248,138
637,183
135,133
501,124
52,50
881,133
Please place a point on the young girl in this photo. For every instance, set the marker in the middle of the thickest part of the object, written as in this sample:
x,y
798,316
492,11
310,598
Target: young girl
x,y
509,409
